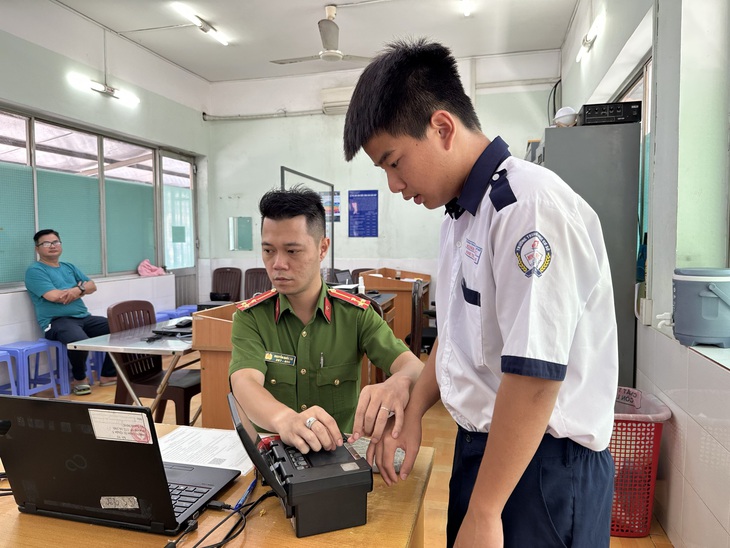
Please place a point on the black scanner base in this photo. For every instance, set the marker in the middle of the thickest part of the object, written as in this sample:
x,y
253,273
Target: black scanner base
x,y
330,510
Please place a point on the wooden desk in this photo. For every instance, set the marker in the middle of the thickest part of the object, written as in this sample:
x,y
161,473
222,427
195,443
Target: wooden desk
x,y
384,280
395,519
371,374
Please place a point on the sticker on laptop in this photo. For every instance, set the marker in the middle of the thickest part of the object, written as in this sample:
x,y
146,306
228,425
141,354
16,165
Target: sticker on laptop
x,y
119,503
128,426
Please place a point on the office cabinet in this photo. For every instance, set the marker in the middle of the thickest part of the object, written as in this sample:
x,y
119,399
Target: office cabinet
x,y
602,164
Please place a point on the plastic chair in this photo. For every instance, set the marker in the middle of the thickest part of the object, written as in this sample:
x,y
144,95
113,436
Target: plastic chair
x,y
145,371
226,281
12,385
22,352
256,280
173,313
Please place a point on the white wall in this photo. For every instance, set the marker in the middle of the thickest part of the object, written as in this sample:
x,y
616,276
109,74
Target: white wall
x,y
692,497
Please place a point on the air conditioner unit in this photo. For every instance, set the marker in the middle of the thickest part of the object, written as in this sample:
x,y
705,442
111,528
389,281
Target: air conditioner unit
x,y
336,100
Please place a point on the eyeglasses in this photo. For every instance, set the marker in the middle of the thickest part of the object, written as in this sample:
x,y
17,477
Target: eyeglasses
x,y
49,244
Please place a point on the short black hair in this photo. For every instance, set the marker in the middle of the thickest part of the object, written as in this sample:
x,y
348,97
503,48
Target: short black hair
x,y
279,205
399,91
45,232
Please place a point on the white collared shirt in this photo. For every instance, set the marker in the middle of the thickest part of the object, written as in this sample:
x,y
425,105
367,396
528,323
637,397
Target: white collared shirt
x,y
525,287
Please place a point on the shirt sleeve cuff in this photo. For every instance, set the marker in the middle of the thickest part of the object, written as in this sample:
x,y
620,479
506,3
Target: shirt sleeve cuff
x,y
531,367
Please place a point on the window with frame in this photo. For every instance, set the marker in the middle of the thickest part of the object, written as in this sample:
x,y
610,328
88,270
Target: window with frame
x,y
97,192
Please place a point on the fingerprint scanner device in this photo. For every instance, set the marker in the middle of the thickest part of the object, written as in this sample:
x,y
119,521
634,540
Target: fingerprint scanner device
x,y
99,463
321,491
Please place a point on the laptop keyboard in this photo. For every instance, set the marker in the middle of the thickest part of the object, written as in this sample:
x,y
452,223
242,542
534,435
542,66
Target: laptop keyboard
x,y
184,496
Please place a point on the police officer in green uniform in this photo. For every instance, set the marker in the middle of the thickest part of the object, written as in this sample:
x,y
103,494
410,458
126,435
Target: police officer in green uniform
x,y
297,349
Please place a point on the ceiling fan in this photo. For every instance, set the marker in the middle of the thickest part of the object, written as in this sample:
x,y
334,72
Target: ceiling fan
x,y
330,34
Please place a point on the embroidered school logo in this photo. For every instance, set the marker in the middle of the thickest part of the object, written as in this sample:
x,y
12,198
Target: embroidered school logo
x,y
533,254
473,251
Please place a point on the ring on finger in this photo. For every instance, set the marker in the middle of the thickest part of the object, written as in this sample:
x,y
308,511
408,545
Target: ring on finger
x,y
386,409
310,422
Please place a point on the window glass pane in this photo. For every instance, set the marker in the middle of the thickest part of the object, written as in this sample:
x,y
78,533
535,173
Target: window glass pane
x,y
64,149
13,139
178,213
17,212
129,198
68,193
17,222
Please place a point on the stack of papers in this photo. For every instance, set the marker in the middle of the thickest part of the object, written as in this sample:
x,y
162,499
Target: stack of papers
x,y
206,446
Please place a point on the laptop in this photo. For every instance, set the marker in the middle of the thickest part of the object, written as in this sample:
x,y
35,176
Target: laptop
x,y
343,277
99,463
183,327
320,491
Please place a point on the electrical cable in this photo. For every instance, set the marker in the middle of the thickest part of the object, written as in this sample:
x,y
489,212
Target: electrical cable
x,y
191,526
238,527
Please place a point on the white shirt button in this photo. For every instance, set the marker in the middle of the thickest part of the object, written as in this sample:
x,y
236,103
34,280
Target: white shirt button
x,y
495,176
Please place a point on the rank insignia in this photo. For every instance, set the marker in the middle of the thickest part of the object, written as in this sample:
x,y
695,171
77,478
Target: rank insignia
x,y
253,301
349,298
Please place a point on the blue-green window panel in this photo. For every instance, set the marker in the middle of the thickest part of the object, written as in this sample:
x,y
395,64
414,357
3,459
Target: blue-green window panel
x,y
179,244
69,204
17,222
130,224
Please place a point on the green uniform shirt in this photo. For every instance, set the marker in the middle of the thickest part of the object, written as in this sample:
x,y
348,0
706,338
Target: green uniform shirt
x,y
316,364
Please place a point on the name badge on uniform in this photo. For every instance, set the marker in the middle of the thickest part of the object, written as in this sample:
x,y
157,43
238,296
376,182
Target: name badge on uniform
x,y
275,357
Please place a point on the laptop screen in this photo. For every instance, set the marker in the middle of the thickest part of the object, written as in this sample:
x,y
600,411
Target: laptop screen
x,y
343,277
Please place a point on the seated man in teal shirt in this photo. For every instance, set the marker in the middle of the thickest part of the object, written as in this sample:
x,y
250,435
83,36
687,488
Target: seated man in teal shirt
x,y
297,349
56,288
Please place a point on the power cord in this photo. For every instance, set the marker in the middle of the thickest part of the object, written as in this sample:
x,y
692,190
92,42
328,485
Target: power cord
x,y
191,526
238,527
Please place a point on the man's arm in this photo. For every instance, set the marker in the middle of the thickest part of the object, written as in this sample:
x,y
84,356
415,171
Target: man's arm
x,y
425,394
379,401
521,414
270,414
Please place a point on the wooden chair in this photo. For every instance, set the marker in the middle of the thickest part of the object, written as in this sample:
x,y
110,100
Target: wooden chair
x,y
256,281
420,339
357,272
226,281
145,371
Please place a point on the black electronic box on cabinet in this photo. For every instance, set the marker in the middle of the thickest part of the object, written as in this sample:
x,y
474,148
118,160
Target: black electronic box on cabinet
x,y
610,113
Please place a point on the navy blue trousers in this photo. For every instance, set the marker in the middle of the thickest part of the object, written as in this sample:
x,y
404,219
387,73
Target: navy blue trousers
x,y
68,330
563,499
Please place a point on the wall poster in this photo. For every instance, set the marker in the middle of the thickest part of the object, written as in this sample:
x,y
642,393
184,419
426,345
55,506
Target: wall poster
x,y
363,218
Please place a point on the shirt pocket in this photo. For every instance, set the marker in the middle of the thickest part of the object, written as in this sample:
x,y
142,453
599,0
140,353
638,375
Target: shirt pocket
x,y
466,334
339,389
281,380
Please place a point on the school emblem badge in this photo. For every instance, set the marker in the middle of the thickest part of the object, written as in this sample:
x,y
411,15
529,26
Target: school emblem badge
x,y
533,254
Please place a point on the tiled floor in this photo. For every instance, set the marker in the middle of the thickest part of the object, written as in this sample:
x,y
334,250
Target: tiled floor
x,y
438,432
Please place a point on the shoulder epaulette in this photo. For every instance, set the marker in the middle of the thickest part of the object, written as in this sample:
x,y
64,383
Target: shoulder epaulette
x,y
256,299
349,298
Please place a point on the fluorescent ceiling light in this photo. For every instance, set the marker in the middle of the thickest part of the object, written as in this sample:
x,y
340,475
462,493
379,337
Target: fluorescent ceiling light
x,y
187,13
199,22
83,83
